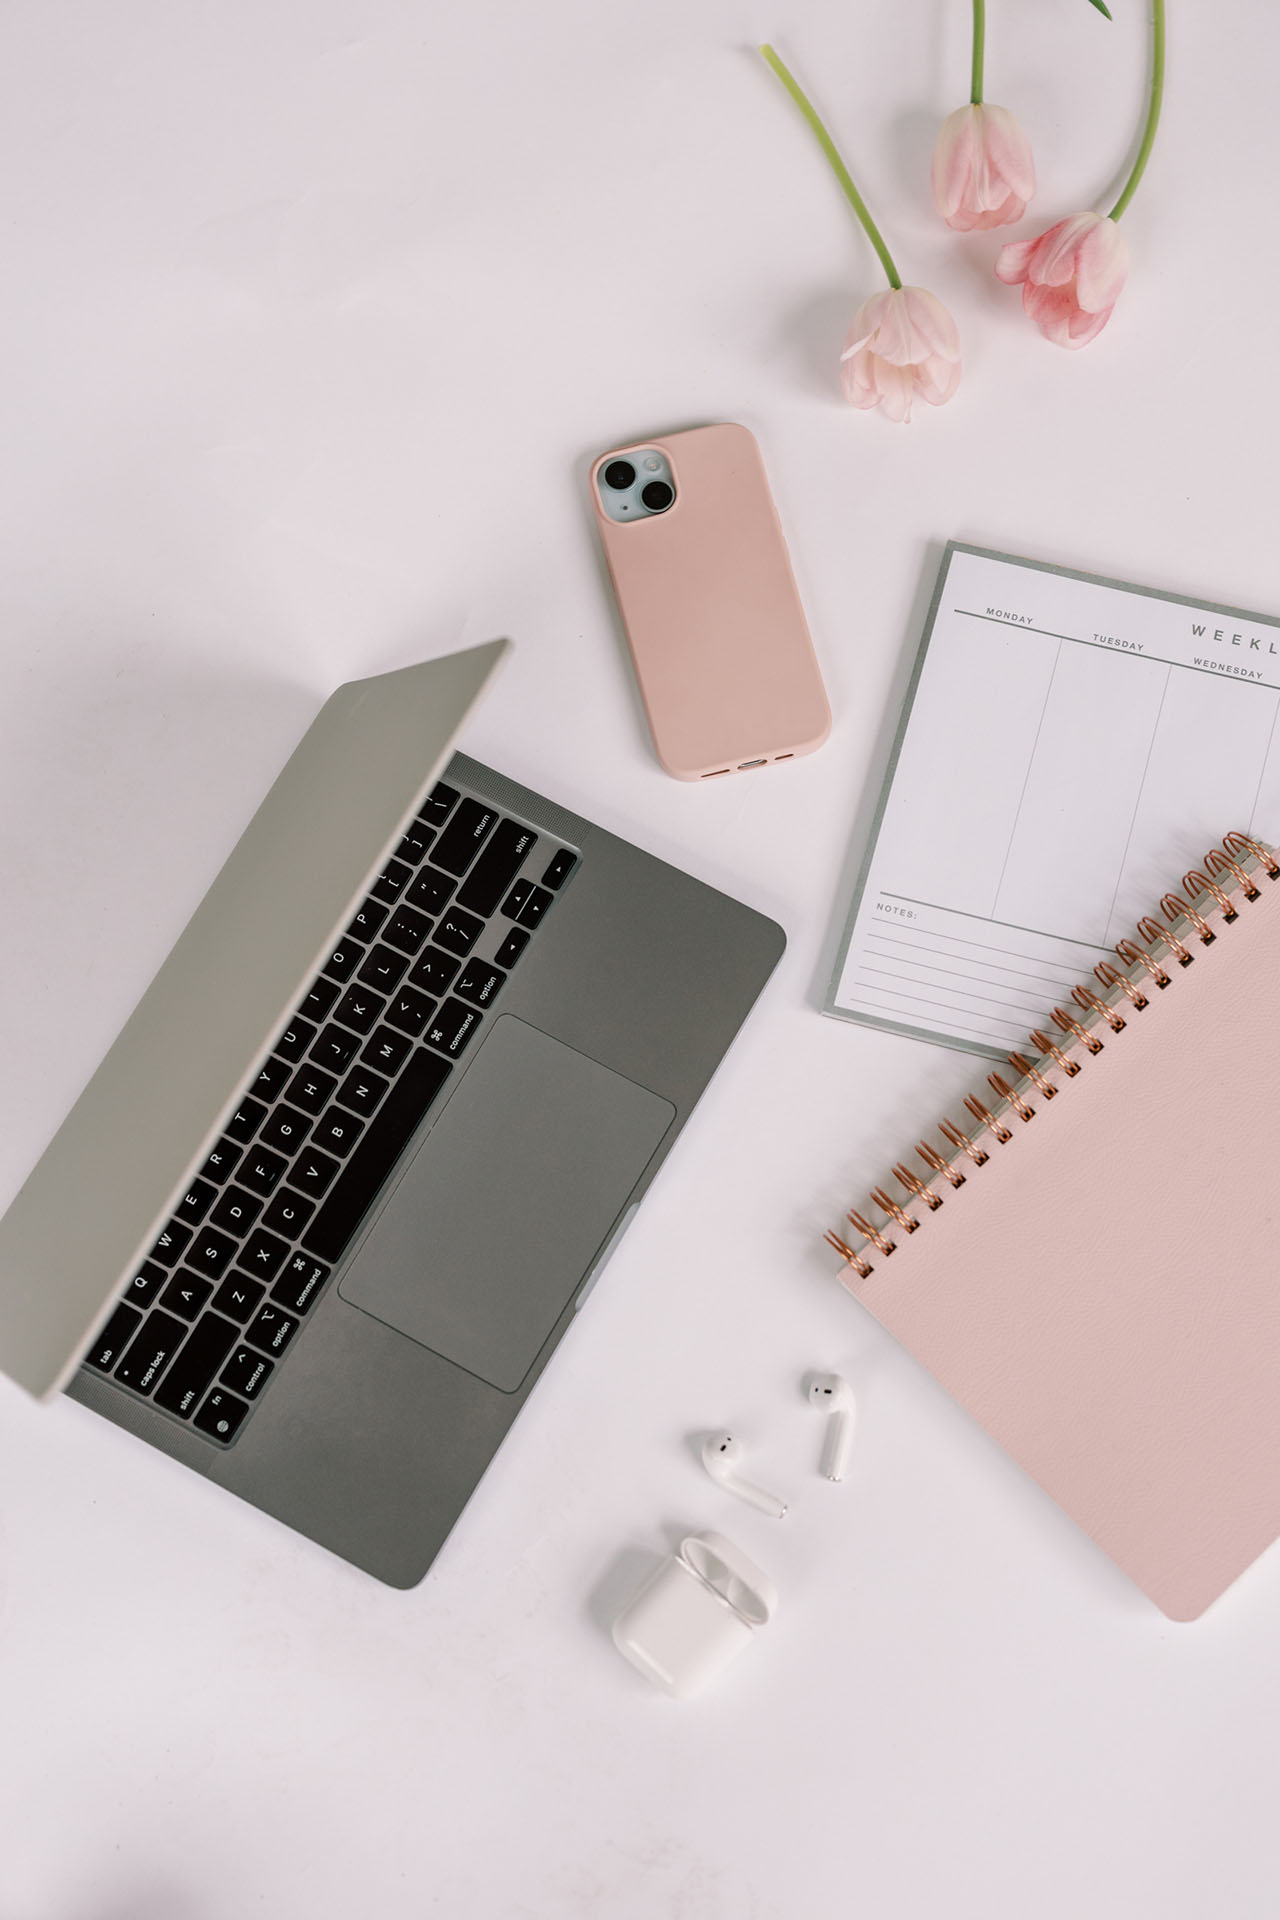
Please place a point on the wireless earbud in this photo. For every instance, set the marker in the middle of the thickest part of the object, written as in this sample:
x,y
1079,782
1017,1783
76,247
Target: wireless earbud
x,y
721,1455
830,1391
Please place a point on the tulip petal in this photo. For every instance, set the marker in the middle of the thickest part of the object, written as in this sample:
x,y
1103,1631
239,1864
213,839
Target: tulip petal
x,y
1013,262
1102,266
932,323
937,380
1009,152
1059,316
953,158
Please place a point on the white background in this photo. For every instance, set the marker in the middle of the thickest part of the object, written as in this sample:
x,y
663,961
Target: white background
x,y
315,311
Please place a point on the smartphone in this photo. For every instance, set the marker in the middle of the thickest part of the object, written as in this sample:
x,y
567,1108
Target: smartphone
x,y
718,637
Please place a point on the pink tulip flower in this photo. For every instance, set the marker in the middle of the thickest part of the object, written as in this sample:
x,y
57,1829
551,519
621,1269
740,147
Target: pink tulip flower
x,y
903,345
1071,276
983,173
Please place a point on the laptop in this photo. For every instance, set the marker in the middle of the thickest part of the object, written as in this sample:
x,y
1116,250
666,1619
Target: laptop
x,y
339,1188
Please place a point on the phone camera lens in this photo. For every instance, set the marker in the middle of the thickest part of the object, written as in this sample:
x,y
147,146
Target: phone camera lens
x,y
657,496
619,474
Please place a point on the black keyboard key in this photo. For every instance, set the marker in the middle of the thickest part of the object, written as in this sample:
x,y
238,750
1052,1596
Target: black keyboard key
x,y
496,868
264,1256
313,1173
431,892
310,1089
361,1091
360,1009
415,846
236,1211
385,1139
516,898
462,839
145,1284
480,983
261,1170
458,931
386,1050
300,1282
321,997
180,1390
285,1130
187,1294
334,1048
238,1296
512,947
342,961
222,1161
438,804
272,1329
535,906
367,922
113,1339
288,1213
246,1120
561,866
195,1203
247,1372
171,1245
221,1415
383,969
453,1027
406,929
150,1351
338,1132
410,1011
295,1040
211,1253
433,971
272,1079
390,883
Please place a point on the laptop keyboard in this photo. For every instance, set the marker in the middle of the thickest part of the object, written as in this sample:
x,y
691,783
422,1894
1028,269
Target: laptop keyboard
x,y
210,1314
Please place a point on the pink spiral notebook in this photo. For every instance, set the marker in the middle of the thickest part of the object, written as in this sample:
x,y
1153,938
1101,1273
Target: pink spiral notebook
x,y
1091,1265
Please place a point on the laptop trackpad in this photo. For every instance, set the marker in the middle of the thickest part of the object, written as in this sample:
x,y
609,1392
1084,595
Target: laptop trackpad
x,y
497,1219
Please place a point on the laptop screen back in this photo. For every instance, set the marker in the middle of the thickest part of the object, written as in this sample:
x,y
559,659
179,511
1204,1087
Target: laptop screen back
x,y
93,1204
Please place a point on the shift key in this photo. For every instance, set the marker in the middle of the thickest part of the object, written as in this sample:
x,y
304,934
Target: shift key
x,y
211,1341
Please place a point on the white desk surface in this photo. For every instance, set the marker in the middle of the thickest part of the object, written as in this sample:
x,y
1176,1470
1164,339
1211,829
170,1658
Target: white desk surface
x,y
314,314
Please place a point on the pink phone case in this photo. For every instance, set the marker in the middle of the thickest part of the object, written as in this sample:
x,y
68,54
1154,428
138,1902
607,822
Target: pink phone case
x,y
721,649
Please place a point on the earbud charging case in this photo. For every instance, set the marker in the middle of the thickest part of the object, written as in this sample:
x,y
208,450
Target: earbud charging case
x,y
694,1614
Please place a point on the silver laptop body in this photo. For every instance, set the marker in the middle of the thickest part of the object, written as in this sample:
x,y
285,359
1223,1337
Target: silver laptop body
x,y
336,1192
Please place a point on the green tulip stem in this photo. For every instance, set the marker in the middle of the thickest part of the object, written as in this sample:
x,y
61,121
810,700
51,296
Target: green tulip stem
x,y
979,48
838,166
1153,110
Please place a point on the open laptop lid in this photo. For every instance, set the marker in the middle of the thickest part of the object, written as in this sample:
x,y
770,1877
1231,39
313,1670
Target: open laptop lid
x,y
92,1206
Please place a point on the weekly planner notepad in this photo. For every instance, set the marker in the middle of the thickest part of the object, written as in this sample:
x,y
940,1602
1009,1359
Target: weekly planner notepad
x,y
1067,743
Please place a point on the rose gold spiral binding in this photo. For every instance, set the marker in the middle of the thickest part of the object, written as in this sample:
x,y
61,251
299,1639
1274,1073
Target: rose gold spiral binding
x,y
1174,905
916,1186
965,1144
1029,1071
891,1207
1197,883
1085,997
1238,842
1151,931
1067,1023
988,1120
1217,860
934,1159
1131,953
1016,1101
1112,977
871,1233
1070,1067
860,1267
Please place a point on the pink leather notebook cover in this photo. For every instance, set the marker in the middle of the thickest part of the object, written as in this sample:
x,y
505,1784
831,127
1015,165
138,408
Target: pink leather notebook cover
x,y
1103,1295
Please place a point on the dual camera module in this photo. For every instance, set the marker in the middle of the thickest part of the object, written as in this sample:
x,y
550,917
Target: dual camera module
x,y
636,486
